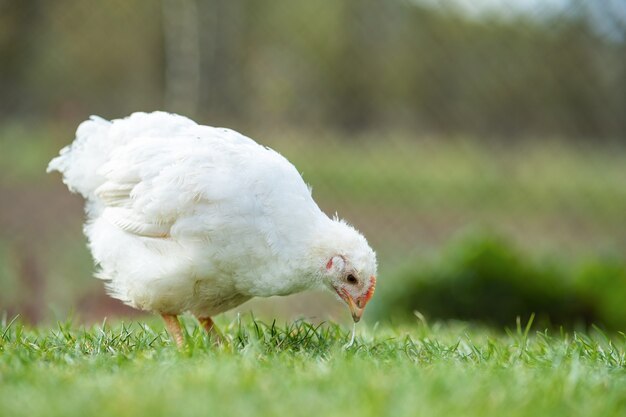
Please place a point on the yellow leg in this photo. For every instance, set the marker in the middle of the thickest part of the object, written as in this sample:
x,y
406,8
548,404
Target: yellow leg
x,y
209,326
173,327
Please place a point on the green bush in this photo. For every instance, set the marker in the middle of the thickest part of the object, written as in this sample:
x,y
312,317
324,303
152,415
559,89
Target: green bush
x,y
485,278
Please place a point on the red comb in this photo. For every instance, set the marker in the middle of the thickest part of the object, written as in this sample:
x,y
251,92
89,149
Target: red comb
x,y
372,288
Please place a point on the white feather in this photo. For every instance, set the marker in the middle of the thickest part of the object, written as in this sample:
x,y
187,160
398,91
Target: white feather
x,y
188,217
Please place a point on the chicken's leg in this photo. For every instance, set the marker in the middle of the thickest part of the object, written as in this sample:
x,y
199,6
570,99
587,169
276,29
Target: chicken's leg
x,y
209,326
173,327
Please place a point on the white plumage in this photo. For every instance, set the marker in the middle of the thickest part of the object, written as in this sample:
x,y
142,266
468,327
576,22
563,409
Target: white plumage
x,y
183,217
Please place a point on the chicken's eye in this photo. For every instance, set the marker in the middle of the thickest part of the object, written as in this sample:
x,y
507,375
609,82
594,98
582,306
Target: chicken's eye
x,y
351,279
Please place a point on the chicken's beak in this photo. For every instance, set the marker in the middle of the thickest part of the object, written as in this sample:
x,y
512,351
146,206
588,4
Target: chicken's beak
x,y
355,310
356,307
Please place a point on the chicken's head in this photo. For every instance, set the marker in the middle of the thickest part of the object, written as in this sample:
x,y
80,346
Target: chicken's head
x,y
354,281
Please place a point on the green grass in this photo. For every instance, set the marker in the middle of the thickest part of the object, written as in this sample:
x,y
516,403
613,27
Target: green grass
x,y
428,174
299,369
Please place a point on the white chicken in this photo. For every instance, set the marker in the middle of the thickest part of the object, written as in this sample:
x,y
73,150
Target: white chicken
x,y
189,218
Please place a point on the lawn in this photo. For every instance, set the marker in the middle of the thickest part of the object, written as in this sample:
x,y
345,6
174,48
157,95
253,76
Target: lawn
x,y
299,369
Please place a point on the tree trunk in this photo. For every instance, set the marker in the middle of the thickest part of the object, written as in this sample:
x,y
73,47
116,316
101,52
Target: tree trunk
x,y
182,56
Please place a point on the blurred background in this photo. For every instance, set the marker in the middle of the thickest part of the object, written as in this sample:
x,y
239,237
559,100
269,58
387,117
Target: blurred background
x,y
479,145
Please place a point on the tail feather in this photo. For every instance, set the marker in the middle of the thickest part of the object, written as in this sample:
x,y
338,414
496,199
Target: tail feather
x,y
96,139
79,162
